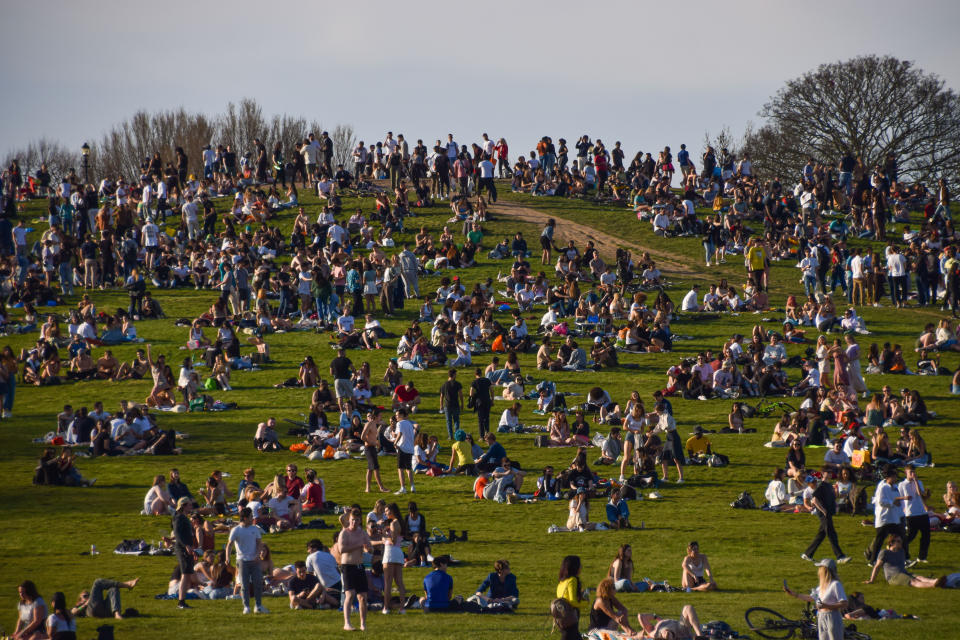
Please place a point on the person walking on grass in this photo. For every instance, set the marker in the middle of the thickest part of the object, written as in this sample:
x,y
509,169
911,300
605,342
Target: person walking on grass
x,y
246,539
820,499
451,400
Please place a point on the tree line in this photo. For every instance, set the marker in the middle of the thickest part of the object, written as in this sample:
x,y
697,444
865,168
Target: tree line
x,y
122,149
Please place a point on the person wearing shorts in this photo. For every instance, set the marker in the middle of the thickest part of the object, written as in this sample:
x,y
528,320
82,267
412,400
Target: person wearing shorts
x,y
371,448
341,369
183,542
351,543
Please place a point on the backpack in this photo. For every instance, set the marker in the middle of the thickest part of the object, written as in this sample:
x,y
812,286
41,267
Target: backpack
x,y
718,460
744,501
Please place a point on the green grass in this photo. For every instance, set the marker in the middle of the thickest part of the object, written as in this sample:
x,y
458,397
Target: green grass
x,y
49,528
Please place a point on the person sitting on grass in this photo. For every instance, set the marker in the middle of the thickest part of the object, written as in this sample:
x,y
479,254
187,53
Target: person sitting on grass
x,y
618,512
579,512
499,587
607,612
893,560
304,589
438,587
158,501
32,612
697,574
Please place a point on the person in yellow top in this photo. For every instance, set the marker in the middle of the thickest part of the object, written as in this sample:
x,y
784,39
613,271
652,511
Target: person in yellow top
x,y
756,261
462,452
569,587
697,444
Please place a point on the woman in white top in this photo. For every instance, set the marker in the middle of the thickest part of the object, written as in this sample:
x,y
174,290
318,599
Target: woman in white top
x,y
829,598
61,625
823,359
32,613
776,493
393,558
510,417
158,502
634,423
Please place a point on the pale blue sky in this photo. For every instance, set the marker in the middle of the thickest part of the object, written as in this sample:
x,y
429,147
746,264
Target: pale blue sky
x,y
647,73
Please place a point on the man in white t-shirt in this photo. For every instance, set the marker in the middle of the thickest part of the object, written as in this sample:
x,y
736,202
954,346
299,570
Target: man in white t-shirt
x,y
209,157
487,146
689,302
915,510
189,212
284,508
321,563
246,539
150,233
661,222
486,179
897,272
403,435
324,187
146,199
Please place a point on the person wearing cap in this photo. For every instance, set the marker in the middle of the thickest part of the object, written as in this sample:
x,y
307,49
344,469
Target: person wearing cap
x,y
246,539
887,513
829,599
697,444
183,542
819,498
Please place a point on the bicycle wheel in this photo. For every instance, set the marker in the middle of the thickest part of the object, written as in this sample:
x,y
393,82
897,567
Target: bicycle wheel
x,y
768,623
851,634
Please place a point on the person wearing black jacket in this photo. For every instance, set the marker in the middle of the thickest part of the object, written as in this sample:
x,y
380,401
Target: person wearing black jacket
x,y
819,498
183,543
481,399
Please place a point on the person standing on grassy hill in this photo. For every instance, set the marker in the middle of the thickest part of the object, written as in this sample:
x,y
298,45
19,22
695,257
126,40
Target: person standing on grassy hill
x,y
352,542
403,437
183,541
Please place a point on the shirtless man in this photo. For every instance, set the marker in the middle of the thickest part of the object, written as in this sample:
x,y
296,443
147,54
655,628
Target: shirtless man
x,y
134,370
107,366
697,574
351,544
371,449
82,367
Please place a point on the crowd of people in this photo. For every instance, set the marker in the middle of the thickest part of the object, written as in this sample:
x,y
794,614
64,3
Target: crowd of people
x,y
169,229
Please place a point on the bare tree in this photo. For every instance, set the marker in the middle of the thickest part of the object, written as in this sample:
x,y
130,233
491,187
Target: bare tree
x,y
723,140
126,146
287,130
57,157
871,106
343,142
241,124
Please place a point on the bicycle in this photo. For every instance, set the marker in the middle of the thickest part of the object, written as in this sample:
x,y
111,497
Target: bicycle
x,y
766,407
771,624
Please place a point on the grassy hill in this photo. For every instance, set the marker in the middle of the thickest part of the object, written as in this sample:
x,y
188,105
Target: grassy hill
x,y
48,529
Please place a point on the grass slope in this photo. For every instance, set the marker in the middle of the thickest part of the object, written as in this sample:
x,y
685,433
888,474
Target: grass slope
x,y
49,528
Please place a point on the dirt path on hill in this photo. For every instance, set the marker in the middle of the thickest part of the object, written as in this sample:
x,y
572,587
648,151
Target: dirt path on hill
x,y
606,244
